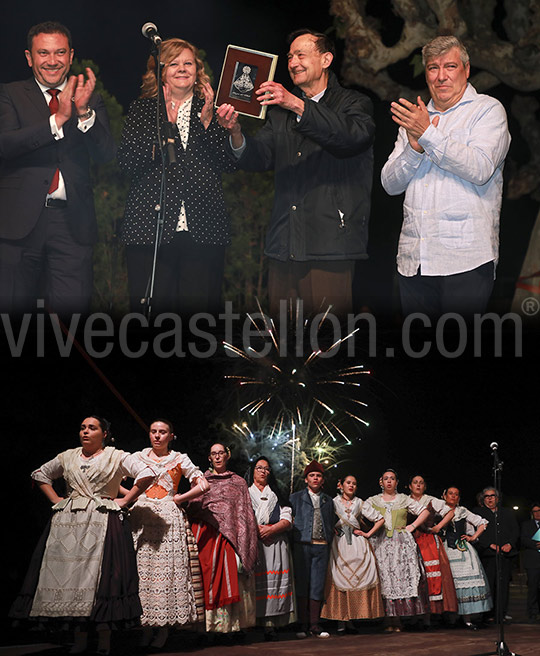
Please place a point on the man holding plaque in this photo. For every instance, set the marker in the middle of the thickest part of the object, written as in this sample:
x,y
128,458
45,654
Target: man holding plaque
x,y
318,139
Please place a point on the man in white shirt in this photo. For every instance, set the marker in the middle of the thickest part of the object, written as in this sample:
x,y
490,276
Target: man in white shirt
x,y
448,159
51,126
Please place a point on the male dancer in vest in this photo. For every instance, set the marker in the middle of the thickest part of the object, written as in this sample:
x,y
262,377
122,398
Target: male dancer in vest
x,y
313,530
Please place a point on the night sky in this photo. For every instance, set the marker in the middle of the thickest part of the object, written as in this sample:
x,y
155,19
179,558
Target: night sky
x,y
433,415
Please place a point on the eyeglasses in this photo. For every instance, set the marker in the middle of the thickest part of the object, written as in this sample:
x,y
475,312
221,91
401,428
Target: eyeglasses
x,y
489,496
263,469
217,453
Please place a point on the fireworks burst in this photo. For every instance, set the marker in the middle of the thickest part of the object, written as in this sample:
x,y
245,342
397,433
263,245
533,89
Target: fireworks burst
x,y
295,402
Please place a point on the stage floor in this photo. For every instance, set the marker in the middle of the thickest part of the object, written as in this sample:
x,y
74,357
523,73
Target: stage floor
x,y
520,638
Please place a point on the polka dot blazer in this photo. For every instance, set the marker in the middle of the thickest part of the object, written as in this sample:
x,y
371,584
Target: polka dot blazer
x,y
195,178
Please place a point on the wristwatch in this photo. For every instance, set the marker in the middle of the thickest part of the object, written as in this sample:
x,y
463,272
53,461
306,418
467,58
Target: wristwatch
x,y
87,114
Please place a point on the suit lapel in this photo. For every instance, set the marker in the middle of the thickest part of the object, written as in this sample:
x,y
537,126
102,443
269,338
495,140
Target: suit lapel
x,y
36,97
195,125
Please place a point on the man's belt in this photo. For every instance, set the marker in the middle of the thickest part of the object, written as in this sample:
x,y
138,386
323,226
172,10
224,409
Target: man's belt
x,y
55,202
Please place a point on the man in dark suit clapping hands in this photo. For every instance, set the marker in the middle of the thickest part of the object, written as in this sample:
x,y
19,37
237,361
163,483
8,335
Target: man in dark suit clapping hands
x,y
51,126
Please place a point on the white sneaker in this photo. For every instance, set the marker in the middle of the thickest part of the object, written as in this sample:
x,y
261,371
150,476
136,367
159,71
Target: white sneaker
x,y
323,634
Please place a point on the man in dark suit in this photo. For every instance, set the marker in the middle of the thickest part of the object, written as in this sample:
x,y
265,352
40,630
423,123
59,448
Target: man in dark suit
x,y
51,126
531,561
506,546
313,530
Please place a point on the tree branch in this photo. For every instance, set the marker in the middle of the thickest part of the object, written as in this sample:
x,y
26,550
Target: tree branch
x,y
515,61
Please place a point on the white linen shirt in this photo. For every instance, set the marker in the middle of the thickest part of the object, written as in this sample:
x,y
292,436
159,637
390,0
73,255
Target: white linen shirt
x,y
453,190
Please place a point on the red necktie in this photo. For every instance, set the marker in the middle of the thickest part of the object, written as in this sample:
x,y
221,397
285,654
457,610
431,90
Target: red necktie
x,y
53,108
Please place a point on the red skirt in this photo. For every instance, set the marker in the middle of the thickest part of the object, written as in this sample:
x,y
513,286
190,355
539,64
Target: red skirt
x,y
218,567
442,592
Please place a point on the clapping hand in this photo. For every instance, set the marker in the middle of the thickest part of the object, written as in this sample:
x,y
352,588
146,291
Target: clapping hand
x,y
208,107
414,118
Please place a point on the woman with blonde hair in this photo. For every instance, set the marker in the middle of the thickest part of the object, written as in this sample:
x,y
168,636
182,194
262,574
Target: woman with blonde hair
x,y
187,188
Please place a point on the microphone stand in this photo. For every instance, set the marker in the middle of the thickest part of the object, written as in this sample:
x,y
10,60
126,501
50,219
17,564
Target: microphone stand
x,y
502,649
166,146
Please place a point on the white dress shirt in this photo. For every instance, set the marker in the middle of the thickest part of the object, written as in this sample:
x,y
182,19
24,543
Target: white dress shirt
x,y
58,133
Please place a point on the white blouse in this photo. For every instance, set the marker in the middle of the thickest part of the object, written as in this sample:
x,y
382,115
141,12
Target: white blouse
x,y
438,505
263,502
165,464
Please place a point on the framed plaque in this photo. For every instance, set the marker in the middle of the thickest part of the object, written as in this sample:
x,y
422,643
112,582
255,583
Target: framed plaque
x,y
243,72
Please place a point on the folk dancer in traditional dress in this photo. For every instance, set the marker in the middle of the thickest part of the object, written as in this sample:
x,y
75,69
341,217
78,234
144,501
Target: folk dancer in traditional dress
x,y
472,587
274,590
170,582
225,529
353,589
402,573
442,592
84,570
313,532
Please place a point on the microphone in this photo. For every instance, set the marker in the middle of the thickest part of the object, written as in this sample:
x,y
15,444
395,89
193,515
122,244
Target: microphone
x,y
494,446
150,31
170,131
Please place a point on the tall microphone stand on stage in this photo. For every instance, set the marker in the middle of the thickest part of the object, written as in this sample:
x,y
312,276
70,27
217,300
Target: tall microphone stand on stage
x,y
165,133
502,649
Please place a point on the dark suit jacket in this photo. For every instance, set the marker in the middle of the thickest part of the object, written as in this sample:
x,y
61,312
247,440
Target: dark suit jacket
x,y
531,555
302,508
29,156
508,532
194,179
